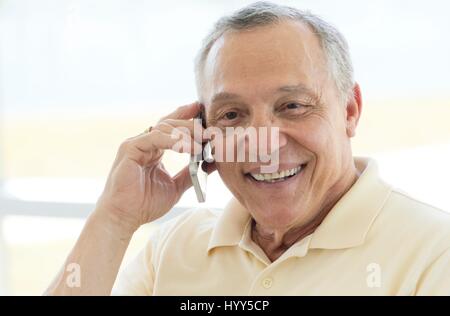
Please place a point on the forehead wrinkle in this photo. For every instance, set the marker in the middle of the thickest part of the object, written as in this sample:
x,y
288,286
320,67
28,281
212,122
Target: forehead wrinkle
x,y
218,60
301,89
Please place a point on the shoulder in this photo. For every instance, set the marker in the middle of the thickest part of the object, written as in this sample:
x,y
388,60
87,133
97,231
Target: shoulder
x,y
195,219
414,221
171,238
416,212
193,226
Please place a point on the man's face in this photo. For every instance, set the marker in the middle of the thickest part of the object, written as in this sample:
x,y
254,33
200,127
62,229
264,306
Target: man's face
x,y
276,76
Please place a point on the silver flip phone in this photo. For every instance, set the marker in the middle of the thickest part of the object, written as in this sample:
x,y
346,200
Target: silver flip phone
x,y
198,176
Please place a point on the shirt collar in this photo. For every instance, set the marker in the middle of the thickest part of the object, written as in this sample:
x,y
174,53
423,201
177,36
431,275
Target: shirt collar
x,y
345,226
349,221
231,225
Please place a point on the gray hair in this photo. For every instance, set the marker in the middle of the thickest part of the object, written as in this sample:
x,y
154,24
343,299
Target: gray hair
x,y
262,13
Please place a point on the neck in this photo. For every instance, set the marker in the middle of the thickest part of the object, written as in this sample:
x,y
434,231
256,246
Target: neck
x,y
274,242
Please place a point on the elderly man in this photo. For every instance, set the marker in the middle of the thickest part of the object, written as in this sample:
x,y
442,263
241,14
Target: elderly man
x,y
322,224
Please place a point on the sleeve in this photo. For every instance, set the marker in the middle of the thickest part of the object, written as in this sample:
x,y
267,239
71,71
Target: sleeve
x,y
137,277
435,279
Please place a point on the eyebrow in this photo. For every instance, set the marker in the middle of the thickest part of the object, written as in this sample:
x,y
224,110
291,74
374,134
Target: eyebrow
x,y
224,96
299,88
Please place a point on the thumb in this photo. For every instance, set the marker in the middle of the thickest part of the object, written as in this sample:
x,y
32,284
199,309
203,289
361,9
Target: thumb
x,y
183,180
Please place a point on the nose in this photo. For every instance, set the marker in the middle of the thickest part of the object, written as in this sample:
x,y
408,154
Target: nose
x,y
270,135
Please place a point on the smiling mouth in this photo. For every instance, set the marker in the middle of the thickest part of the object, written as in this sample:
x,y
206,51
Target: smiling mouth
x,y
280,176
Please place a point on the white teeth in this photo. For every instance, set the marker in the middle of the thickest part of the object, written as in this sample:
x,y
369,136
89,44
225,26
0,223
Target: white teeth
x,y
272,177
258,177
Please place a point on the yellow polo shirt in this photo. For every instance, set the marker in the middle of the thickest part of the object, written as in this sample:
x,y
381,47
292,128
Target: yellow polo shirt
x,y
375,241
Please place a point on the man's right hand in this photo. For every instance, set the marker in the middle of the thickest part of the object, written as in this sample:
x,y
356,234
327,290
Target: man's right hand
x,y
139,189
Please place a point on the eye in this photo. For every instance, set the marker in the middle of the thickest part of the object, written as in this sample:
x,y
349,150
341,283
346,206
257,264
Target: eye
x,y
293,106
231,115
293,109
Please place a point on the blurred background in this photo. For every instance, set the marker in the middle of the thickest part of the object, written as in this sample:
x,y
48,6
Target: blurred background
x,y
78,77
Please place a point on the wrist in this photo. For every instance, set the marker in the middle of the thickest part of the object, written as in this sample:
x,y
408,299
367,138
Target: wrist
x,y
113,224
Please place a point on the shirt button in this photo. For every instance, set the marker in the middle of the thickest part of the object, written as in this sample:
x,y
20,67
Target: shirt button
x,y
267,283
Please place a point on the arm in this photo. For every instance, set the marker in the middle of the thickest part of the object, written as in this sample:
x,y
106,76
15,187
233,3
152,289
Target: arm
x,y
138,190
93,263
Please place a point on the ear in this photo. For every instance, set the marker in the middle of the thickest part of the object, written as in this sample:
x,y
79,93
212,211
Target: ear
x,y
353,110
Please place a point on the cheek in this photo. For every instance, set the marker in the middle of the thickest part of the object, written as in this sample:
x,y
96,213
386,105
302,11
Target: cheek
x,y
231,177
221,169
314,135
325,141
228,172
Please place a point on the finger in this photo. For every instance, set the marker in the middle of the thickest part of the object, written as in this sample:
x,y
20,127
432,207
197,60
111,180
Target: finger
x,y
145,152
149,147
159,140
191,127
184,112
183,134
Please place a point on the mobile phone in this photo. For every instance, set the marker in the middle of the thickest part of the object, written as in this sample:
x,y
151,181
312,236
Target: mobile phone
x,y
198,175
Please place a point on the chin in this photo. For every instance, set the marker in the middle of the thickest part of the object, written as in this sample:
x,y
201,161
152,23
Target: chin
x,y
276,217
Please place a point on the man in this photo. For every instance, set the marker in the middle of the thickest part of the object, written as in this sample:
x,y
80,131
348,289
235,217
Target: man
x,y
323,223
